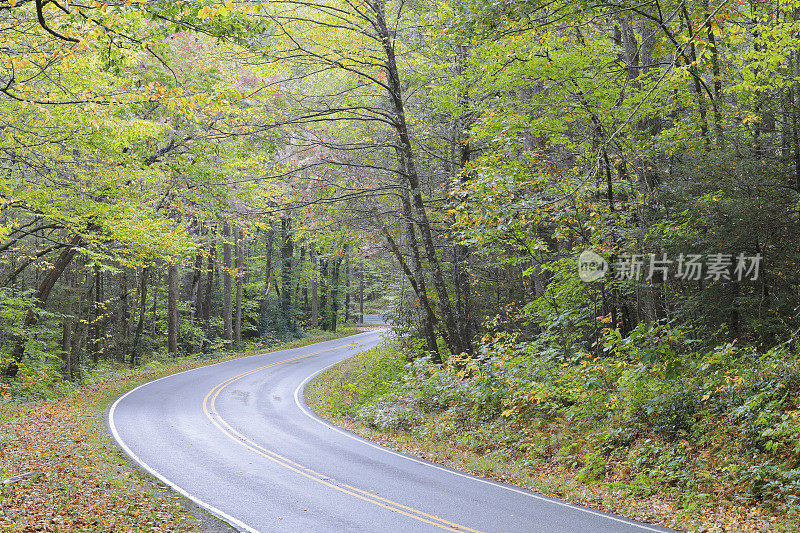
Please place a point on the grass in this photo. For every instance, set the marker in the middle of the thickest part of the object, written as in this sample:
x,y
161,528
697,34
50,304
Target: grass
x,y
352,392
81,481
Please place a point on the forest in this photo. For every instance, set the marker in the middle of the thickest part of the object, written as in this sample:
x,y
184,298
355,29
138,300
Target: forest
x,y
585,214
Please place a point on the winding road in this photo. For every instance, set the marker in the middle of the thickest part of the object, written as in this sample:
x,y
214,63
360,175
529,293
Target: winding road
x,y
237,439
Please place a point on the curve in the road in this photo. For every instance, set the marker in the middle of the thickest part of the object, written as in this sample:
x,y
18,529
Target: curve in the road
x,y
182,429
304,408
150,470
239,438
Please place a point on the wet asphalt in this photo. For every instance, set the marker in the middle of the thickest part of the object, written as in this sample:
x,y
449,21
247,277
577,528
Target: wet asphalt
x,y
238,440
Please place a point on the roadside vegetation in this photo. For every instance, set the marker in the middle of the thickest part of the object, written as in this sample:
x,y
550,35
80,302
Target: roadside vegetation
x,y
712,451
73,477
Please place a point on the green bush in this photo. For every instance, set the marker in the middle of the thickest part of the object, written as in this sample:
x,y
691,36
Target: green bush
x,y
671,414
772,481
729,419
390,413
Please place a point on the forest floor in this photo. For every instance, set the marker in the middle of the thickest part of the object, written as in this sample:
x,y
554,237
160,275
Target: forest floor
x,y
75,477
343,393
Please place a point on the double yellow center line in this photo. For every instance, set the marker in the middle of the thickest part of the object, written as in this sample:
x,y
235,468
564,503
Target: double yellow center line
x,y
210,410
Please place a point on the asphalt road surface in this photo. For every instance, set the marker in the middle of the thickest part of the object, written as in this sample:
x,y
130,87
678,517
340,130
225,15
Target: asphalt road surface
x,y
237,439
374,319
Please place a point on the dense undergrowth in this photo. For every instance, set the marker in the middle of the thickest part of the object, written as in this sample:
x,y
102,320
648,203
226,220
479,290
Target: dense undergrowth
x,y
700,440
78,480
41,377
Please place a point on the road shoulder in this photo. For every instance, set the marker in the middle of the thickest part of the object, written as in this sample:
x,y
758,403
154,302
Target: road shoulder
x,y
73,475
345,395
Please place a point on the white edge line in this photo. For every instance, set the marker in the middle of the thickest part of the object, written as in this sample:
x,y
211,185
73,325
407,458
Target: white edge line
x,y
207,506
533,495
241,526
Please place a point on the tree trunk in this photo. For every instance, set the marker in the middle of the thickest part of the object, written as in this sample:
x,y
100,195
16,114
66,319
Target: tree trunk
x,y
429,318
66,328
408,166
306,303
463,291
124,314
287,250
361,293
268,268
142,309
81,330
195,295
418,285
157,280
209,292
314,291
639,60
323,296
227,267
240,268
97,327
196,315
337,264
348,275
299,266
173,294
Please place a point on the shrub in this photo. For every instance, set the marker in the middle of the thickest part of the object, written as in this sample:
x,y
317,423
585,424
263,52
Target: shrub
x,y
772,481
388,413
671,414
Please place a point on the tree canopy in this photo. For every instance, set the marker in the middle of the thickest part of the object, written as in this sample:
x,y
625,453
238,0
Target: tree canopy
x,y
183,175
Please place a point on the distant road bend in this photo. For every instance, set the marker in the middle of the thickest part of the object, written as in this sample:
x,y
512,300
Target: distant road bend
x,y
237,439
